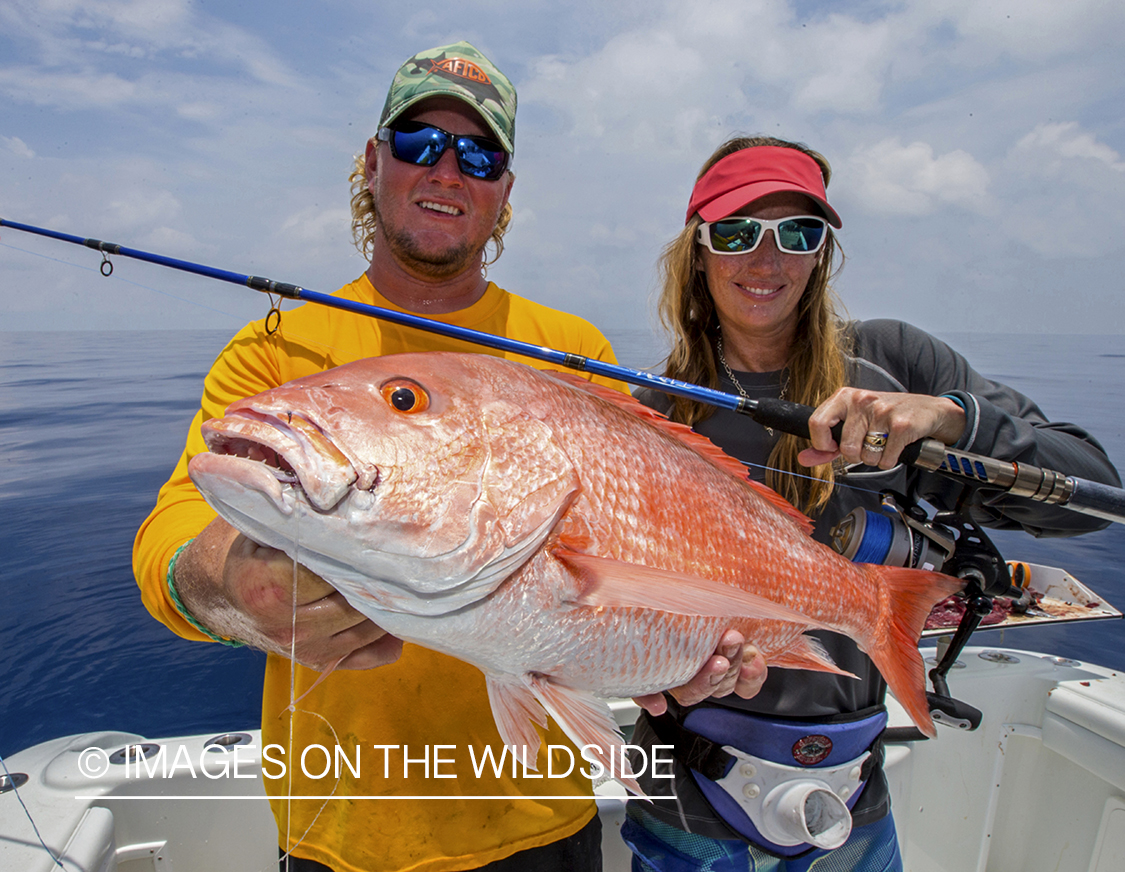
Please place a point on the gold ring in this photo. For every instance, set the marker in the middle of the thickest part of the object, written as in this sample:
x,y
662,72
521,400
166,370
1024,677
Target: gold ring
x,y
875,440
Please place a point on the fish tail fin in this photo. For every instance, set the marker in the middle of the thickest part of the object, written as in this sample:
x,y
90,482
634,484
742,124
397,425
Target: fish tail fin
x,y
911,594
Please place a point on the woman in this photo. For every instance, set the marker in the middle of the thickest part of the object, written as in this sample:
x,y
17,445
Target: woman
x,y
747,300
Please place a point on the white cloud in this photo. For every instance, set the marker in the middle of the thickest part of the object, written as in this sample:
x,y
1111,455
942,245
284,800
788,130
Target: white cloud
x,y
140,208
1066,192
76,41
623,235
17,146
199,110
891,178
317,226
632,93
1025,29
850,64
77,90
1050,145
141,17
169,239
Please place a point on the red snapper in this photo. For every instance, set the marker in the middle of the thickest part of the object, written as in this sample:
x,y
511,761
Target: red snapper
x,y
561,537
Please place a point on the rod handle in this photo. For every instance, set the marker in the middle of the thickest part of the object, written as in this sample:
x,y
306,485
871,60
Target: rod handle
x,y
788,417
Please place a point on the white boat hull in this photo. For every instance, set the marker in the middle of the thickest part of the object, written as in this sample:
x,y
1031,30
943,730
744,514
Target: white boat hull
x,y
1039,787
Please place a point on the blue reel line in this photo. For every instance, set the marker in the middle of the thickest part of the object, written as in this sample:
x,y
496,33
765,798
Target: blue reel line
x,y
877,537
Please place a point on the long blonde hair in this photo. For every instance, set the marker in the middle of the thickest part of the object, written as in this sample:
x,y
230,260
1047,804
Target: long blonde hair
x,y
817,362
363,215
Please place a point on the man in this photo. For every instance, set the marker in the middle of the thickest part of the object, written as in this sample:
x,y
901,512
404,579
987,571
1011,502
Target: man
x,y
430,192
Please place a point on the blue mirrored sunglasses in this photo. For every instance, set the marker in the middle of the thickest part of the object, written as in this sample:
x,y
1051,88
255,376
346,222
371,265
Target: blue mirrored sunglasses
x,y
738,234
423,145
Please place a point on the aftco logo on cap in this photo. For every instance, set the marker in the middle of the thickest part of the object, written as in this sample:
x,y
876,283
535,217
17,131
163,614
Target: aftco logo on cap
x,y
461,68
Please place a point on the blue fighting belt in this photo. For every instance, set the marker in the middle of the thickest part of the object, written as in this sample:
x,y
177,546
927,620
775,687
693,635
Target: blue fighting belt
x,y
786,786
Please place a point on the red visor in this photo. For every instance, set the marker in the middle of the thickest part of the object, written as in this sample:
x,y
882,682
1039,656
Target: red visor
x,y
750,173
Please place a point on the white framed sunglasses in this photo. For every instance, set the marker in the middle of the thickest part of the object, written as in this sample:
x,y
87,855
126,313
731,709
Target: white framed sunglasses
x,y
739,234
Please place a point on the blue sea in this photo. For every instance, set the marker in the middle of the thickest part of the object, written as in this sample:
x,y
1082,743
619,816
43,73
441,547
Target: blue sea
x,y
91,424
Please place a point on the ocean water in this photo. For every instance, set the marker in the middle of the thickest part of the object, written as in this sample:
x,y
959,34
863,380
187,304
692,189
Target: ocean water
x,y
91,424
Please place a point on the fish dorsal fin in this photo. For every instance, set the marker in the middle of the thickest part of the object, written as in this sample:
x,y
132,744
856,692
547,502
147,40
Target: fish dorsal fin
x,y
701,445
783,505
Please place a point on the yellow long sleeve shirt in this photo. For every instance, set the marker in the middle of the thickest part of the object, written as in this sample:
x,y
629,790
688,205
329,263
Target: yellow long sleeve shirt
x,y
392,719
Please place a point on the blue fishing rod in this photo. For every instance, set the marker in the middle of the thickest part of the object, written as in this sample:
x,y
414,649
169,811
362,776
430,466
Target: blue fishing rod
x,y
1041,485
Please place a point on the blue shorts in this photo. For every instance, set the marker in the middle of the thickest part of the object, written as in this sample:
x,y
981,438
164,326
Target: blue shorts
x,y
658,847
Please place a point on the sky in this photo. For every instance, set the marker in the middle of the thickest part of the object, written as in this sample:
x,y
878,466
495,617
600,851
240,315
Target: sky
x,y
978,148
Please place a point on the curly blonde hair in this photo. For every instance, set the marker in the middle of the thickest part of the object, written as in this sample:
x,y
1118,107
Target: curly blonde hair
x,y
817,362
363,215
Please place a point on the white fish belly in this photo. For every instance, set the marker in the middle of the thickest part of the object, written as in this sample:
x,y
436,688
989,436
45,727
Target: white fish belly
x,y
531,625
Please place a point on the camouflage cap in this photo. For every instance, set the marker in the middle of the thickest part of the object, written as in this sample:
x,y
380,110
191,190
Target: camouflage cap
x,y
459,71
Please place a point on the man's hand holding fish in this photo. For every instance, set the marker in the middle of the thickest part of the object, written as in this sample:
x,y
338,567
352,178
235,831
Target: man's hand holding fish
x,y
267,601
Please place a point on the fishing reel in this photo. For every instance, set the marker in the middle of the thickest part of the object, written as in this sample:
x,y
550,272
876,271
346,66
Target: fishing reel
x,y
949,542
897,537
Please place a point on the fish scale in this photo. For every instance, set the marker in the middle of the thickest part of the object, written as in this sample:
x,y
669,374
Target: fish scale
x,y
569,542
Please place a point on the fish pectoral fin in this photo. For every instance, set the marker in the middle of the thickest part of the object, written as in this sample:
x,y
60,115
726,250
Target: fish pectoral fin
x,y
515,709
588,721
617,584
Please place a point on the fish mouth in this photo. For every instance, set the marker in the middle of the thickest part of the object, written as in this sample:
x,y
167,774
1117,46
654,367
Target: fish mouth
x,y
292,449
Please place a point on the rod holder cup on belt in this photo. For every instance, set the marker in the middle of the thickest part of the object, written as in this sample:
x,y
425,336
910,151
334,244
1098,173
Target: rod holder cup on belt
x,y
785,806
805,811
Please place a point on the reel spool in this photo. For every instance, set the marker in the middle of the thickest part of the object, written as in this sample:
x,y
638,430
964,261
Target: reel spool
x,y
892,538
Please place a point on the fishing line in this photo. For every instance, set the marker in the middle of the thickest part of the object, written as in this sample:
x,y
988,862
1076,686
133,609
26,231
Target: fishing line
x,y
835,483
292,698
31,820
115,277
293,711
292,693
289,798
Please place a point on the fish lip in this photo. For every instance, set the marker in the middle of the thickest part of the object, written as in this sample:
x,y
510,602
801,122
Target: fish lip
x,y
247,475
294,448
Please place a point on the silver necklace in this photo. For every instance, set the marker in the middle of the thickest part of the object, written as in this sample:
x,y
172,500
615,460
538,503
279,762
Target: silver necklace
x,y
738,385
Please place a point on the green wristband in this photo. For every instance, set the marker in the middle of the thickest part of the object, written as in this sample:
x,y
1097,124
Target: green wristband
x,y
179,604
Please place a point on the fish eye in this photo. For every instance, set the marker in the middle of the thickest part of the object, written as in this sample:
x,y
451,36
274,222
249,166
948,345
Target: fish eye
x,y
406,396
